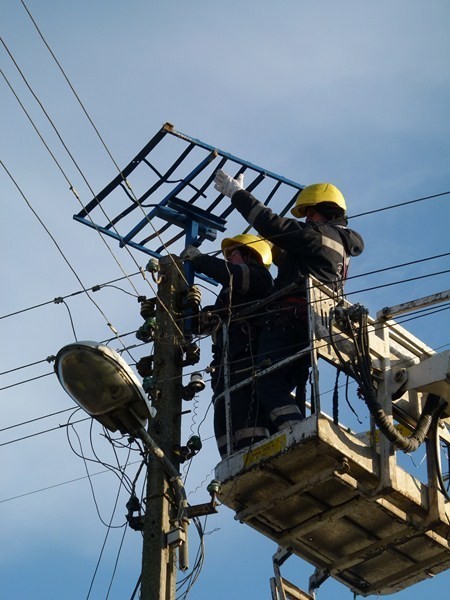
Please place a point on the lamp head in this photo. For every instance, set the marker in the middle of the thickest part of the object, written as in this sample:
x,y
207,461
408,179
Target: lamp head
x,y
101,382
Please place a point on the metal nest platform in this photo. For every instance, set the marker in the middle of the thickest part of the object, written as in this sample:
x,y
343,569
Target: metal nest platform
x,y
316,491
167,192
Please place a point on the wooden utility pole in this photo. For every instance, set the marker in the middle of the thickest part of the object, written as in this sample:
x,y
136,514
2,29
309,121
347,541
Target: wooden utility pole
x,y
158,578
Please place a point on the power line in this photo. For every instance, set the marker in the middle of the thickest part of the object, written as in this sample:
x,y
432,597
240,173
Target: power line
x,y
421,314
406,264
25,437
119,170
7,387
265,312
393,206
377,210
85,180
37,362
97,287
56,485
58,412
59,299
52,54
377,287
113,329
71,187
54,57
70,84
358,215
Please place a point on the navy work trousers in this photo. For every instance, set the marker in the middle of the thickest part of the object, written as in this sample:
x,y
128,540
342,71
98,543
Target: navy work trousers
x,y
248,423
284,334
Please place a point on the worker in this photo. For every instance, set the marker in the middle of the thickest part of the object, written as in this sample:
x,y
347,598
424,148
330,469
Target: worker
x,y
245,278
321,246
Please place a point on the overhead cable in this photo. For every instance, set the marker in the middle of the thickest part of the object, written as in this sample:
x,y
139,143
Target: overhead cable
x,y
113,329
377,210
71,187
72,157
266,313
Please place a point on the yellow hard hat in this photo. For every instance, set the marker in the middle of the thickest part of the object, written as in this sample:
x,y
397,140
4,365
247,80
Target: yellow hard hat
x,y
315,194
256,244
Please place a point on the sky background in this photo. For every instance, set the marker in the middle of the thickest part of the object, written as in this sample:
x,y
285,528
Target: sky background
x,y
352,92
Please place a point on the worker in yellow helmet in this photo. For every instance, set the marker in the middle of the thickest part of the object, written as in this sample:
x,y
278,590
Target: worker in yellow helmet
x,y
245,278
321,246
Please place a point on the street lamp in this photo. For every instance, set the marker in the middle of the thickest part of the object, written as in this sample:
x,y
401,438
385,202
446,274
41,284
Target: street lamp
x,y
101,382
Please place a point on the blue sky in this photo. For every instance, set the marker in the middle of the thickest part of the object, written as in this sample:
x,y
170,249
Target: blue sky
x,y
355,93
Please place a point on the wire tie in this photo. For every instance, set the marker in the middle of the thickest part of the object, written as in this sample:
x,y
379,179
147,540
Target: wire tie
x,y
58,300
113,329
74,191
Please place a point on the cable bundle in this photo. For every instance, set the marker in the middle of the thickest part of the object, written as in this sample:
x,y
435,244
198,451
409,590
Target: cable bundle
x,y
353,321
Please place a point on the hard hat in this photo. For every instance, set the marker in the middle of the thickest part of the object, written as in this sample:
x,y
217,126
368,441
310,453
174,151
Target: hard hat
x,y
256,244
315,194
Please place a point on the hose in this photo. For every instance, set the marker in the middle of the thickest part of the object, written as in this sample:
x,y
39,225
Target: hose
x,y
354,321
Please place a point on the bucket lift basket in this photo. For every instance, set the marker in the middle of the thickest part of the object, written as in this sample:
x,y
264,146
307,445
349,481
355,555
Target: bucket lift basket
x,y
339,499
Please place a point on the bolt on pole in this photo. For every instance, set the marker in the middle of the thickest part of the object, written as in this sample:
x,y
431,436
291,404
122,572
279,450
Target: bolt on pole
x,y
158,577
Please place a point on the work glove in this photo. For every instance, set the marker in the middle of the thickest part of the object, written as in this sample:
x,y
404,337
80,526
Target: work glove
x,y
226,185
190,252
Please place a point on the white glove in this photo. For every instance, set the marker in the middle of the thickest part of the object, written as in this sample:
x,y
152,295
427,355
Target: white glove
x,y
226,185
189,253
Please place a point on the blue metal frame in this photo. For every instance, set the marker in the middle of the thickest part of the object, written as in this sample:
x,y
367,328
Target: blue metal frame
x,y
195,223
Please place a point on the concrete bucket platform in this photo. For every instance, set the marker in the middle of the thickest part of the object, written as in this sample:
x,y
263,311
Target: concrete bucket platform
x,y
316,490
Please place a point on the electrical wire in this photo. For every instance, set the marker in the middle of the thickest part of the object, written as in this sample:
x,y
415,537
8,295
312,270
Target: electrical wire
x,y
354,321
71,187
117,471
354,216
393,206
69,83
85,461
98,287
189,580
136,588
26,437
386,209
113,329
59,299
429,312
56,485
426,313
109,527
7,387
58,412
136,200
437,441
84,178
281,235
234,363
244,305
125,529
377,210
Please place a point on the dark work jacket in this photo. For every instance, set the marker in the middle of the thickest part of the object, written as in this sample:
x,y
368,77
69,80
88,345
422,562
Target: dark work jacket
x,y
318,249
248,283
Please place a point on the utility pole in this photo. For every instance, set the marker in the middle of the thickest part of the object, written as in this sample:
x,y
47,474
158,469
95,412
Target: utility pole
x,y
158,578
